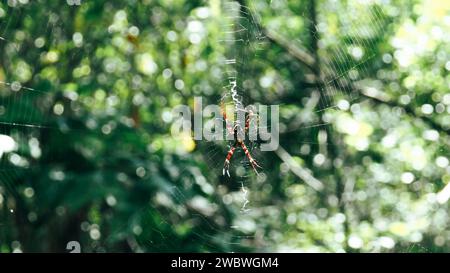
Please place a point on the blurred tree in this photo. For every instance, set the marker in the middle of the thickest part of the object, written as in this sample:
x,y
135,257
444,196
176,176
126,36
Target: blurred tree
x,y
86,94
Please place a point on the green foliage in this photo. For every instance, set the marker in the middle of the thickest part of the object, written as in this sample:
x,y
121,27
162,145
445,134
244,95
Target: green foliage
x,y
94,159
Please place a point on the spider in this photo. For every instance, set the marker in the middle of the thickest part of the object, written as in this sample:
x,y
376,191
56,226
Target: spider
x,y
238,132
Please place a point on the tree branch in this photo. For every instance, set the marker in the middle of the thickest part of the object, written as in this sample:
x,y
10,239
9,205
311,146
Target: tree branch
x,y
298,170
301,55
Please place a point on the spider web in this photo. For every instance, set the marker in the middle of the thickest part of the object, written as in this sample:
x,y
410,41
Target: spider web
x,y
240,40
29,109
345,75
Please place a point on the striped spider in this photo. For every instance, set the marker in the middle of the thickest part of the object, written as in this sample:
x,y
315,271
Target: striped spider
x,y
236,129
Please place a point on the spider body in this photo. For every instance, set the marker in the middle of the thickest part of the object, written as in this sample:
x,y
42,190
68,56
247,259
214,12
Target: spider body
x,y
238,133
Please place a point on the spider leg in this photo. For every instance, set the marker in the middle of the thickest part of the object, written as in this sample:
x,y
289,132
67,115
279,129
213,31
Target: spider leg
x,y
250,158
250,115
226,165
247,121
